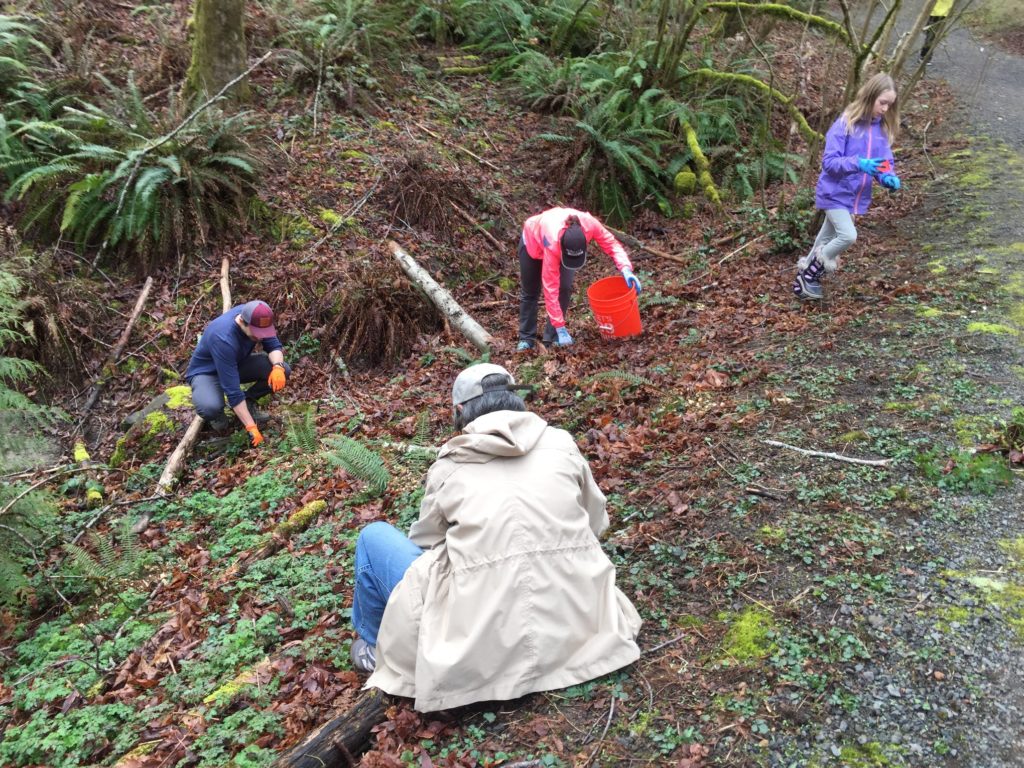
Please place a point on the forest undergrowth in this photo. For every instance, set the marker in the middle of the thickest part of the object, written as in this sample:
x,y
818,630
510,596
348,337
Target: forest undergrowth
x,y
766,578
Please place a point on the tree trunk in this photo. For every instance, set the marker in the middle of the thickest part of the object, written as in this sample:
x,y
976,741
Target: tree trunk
x,y
218,46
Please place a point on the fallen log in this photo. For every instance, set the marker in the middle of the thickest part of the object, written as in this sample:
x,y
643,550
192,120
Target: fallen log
x,y
633,242
336,743
106,371
441,299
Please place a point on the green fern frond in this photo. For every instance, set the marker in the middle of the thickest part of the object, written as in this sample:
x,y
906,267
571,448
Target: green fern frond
x,y
629,378
360,462
422,435
301,433
465,357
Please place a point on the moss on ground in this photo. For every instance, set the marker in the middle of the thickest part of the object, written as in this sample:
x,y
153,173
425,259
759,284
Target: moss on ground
x,y
993,328
750,636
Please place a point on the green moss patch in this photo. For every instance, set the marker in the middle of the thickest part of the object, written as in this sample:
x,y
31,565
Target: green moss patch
x,y
179,397
993,328
750,636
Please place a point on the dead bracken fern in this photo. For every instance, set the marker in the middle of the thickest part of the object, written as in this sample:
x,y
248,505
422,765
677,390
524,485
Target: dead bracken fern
x,y
383,315
360,462
421,194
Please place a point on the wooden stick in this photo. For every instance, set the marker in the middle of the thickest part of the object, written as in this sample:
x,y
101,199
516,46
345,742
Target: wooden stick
x,y
459,147
108,367
225,285
630,240
177,459
441,299
475,223
835,456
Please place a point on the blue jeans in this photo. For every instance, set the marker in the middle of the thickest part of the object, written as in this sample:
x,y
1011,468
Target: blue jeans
x,y
383,555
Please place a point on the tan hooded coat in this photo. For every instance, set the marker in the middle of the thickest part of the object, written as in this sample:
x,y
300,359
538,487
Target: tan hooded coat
x,y
514,593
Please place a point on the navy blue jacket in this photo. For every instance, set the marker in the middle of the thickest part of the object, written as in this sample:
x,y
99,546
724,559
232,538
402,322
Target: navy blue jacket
x,y
221,349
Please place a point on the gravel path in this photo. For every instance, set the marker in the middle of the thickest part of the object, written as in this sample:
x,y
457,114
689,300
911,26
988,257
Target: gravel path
x,y
988,81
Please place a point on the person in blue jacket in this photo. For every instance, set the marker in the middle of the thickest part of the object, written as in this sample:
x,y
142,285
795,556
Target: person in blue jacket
x,y
858,152
224,359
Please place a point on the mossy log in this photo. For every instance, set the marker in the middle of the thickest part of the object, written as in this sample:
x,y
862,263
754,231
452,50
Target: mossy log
x,y
144,427
700,160
752,82
335,743
296,522
784,12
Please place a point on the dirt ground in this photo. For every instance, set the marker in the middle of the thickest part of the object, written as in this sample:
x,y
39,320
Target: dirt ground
x,y
799,610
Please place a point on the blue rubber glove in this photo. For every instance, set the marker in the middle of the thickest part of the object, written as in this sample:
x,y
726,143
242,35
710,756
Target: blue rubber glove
x,y
631,280
564,339
890,180
869,164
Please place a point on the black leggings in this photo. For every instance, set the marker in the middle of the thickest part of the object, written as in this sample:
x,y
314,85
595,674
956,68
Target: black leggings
x,y
530,292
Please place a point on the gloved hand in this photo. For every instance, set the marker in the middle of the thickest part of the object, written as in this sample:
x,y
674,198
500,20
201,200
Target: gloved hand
x,y
564,339
277,378
631,280
254,435
890,180
869,164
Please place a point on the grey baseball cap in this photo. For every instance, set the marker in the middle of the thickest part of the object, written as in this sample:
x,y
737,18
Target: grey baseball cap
x,y
470,383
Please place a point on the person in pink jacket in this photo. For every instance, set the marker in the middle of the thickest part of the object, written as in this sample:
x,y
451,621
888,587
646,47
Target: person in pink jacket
x,y
552,249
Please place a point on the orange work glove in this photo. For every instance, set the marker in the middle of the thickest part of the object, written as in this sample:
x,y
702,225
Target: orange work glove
x,y
276,379
254,434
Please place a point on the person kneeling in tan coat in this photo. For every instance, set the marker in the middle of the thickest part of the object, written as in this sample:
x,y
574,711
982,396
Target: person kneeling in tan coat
x,y
501,588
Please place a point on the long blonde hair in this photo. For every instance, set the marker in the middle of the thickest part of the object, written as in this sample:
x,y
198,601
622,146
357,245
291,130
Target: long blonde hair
x,y
859,111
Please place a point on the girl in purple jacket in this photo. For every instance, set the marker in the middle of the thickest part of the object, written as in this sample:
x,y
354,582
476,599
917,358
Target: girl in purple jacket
x,y
857,151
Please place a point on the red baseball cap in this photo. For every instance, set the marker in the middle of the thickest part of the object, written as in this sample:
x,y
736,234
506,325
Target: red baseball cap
x,y
260,318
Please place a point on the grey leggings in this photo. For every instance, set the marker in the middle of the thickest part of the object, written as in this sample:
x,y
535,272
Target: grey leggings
x,y
208,397
837,233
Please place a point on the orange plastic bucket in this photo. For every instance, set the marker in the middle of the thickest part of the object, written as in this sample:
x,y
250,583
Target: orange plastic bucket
x,y
615,307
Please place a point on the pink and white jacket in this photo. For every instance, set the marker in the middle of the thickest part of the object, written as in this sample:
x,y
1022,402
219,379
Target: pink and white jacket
x,y
542,235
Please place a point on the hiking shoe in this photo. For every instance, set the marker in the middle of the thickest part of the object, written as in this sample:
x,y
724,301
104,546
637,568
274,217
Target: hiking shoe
x,y
522,346
220,424
806,288
260,416
364,656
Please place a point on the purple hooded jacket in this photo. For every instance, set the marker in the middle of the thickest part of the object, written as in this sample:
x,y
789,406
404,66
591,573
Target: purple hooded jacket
x,y
841,183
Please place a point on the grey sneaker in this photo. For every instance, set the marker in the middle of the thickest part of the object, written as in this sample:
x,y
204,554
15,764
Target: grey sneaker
x,y
364,656
807,289
522,346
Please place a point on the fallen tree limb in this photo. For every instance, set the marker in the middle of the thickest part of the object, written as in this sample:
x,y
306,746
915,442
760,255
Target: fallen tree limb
x,y
459,147
478,225
834,456
634,243
106,371
336,742
176,462
297,521
225,284
441,299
